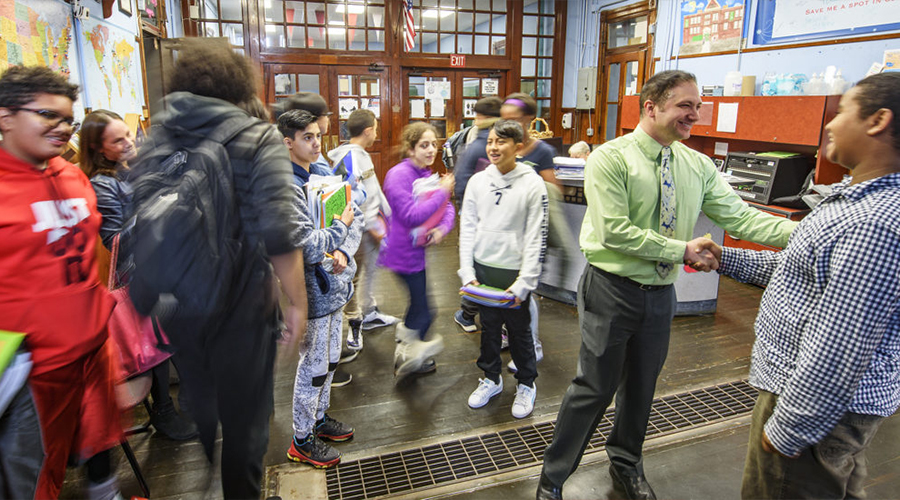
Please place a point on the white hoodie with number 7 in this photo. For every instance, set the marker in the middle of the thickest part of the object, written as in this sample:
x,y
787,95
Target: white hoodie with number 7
x,y
503,225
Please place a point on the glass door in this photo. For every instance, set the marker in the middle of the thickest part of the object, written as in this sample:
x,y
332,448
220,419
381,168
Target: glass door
x,y
623,74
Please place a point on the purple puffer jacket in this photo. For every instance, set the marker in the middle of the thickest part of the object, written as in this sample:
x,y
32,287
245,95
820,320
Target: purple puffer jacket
x,y
398,253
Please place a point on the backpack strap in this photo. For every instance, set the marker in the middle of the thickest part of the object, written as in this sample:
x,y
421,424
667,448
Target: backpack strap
x,y
228,129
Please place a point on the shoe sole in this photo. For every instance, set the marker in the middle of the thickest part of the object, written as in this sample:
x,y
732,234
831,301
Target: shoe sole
x,y
488,400
467,329
354,348
413,365
342,384
336,439
317,465
348,358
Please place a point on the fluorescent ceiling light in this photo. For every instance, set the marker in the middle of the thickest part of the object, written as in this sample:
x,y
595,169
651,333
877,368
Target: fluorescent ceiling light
x,y
352,9
336,23
434,13
335,31
270,28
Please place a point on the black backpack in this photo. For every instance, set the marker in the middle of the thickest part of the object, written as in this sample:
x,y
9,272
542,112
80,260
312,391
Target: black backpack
x,y
185,237
455,145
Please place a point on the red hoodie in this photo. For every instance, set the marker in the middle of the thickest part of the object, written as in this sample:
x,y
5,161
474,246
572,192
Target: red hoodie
x,y
48,273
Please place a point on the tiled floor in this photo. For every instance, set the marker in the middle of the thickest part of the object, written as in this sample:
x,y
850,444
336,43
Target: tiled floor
x,y
704,351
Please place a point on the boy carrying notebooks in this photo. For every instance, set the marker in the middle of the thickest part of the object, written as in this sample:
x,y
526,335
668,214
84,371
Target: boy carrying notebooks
x,y
502,238
329,270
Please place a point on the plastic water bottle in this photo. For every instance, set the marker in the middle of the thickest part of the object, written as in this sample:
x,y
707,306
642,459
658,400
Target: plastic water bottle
x,y
448,153
732,83
838,85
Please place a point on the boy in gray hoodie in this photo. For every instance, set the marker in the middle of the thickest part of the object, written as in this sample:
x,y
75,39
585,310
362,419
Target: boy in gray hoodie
x,y
353,162
329,269
502,239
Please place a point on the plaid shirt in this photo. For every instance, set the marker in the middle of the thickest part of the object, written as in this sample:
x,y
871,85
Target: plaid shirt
x,y
828,329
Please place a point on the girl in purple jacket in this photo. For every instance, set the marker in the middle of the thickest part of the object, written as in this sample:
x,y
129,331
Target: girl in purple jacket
x,y
418,141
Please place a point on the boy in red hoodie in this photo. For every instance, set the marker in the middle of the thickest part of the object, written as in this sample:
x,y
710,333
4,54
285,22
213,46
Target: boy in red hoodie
x,y
48,279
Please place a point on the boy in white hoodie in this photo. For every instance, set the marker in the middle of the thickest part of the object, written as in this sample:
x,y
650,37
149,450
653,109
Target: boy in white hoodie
x,y
502,239
352,161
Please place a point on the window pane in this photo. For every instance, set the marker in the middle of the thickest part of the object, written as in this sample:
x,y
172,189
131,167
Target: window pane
x,y
546,25
429,43
355,20
465,21
464,4
430,19
345,85
543,111
530,25
482,44
335,18
498,45
429,3
545,47
448,44
545,67
285,84
450,4
316,38
482,4
543,88
631,73
471,87
547,7
274,37
529,46
441,126
231,10
465,44
448,20
611,121
499,25
293,11
528,65
500,5
628,32
273,12
337,38
209,29
613,83
296,36
234,32
527,86
308,83
376,40
531,6
376,17
357,39
482,23
315,13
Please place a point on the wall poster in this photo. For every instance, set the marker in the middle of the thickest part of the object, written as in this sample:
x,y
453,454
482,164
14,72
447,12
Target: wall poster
x,y
711,26
782,21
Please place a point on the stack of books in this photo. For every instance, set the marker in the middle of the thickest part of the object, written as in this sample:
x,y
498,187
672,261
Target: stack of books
x,y
489,296
327,197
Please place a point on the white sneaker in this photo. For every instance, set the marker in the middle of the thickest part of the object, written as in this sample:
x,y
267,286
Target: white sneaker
x,y
538,356
376,319
410,356
484,392
524,403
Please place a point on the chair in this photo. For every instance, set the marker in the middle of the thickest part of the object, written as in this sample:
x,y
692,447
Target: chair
x,y
129,394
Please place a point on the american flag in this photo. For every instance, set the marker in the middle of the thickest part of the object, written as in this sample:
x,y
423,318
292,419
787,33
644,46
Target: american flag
x,y
410,26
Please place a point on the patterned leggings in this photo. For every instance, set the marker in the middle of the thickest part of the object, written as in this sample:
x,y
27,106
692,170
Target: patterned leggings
x,y
312,385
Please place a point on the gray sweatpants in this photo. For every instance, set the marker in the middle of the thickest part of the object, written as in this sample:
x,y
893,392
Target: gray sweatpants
x,y
312,384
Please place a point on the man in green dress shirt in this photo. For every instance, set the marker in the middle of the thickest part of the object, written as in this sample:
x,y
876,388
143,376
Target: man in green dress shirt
x,y
644,193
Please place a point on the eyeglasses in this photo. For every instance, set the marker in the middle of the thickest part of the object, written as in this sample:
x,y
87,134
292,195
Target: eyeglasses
x,y
51,118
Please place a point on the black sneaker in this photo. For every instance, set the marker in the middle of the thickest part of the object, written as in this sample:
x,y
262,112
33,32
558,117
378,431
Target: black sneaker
x,y
332,430
313,451
340,378
347,355
354,335
169,423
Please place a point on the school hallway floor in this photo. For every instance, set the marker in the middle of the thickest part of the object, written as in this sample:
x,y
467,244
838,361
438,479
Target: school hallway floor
x,y
419,439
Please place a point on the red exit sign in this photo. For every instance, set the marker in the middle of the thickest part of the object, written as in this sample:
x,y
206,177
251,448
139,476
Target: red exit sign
x,y
457,61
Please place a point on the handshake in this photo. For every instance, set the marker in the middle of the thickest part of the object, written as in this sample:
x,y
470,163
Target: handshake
x,y
703,254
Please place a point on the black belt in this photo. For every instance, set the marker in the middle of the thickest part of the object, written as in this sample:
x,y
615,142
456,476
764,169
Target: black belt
x,y
628,281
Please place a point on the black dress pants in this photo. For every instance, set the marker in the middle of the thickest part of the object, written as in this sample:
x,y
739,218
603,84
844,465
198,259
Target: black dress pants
x,y
625,339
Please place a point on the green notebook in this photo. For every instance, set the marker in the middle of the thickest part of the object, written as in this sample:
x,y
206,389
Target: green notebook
x,y
9,342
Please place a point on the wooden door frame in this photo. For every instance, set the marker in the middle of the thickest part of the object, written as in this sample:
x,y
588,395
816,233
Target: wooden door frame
x,y
622,58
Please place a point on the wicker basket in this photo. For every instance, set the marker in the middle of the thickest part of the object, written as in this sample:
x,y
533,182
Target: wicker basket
x,y
538,134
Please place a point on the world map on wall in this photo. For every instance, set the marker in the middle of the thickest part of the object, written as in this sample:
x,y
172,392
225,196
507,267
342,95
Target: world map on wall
x,y
39,33
111,68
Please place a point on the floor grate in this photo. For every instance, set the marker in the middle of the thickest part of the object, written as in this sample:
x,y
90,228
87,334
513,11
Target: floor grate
x,y
458,460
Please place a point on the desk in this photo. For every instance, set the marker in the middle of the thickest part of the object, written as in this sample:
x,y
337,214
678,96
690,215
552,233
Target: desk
x,y
787,213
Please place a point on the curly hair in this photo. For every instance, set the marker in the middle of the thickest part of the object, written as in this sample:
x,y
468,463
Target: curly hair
x,y
19,85
211,68
90,140
411,135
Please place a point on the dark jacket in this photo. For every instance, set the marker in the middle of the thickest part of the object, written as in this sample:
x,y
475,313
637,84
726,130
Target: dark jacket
x,y
465,168
114,202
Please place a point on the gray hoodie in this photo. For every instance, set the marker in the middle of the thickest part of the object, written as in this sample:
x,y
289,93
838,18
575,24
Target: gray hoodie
x,y
364,170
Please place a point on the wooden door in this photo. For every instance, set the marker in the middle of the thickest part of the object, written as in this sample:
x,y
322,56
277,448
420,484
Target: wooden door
x,y
623,75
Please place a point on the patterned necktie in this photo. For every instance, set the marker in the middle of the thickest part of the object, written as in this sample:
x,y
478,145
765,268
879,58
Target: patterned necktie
x,y
666,206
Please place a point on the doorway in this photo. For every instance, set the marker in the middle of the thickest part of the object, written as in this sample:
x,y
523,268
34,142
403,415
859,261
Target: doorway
x,y
446,99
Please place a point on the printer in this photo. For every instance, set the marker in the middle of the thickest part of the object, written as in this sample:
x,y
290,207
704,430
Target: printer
x,y
763,177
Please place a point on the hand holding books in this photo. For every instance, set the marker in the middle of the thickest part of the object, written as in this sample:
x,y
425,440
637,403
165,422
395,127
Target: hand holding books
x,y
489,296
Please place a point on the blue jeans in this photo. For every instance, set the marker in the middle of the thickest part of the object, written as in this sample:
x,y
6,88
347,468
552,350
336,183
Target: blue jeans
x,y
418,315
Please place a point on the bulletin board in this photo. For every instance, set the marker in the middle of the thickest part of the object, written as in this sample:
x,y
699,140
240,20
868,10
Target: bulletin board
x,y
783,21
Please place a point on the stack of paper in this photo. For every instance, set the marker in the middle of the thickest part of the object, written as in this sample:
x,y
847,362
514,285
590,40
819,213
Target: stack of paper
x,y
327,197
489,296
569,168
